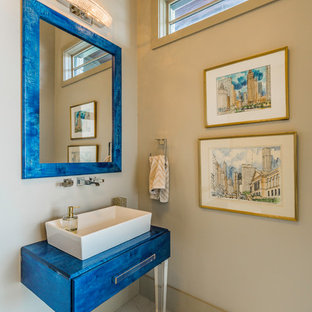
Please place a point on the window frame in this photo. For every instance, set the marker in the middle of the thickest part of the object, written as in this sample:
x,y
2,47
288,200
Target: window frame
x,y
160,20
68,54
75,68
182,17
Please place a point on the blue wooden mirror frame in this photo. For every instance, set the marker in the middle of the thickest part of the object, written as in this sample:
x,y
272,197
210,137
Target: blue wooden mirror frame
x,y
33,11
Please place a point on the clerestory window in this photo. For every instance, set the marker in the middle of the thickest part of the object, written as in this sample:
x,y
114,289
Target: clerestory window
x,y
183,13
175,19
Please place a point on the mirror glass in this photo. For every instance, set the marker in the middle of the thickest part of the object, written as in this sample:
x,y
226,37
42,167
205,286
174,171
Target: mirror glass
x,y
75,99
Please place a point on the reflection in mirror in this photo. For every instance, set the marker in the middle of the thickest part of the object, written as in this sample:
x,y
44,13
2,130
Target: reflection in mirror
x,y
75,99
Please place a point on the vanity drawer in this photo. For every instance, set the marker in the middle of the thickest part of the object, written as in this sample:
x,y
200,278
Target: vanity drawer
x,y
94,287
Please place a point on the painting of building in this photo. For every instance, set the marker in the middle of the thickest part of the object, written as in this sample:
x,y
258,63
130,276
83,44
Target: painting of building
x,y
244,91
250,173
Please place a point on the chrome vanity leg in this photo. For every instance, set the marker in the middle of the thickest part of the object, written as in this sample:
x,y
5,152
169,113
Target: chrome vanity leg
x,y
165,267
161,276
156,273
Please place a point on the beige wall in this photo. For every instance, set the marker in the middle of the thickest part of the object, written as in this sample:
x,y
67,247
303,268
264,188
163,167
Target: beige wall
x,y
47,92
237,262
27,204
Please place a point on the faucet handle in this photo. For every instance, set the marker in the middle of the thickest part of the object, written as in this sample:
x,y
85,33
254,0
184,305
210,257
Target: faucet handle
x,y
67,183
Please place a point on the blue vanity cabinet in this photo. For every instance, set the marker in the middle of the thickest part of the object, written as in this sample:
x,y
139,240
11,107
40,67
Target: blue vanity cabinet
x,y
68,284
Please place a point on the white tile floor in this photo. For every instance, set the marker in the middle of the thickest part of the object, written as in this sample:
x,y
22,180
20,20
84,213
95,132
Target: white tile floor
x,y
138,304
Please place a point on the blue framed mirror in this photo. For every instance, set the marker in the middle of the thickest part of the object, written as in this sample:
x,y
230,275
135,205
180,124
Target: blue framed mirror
x,y
71,98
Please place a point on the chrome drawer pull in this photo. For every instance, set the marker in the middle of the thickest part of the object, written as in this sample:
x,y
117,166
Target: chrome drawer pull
x,y
135,268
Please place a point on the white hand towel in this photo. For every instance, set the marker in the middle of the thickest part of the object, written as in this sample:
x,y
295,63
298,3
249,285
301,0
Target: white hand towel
x,y
159,178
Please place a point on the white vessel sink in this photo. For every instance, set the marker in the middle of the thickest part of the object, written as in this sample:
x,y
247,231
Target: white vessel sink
x,y
99,230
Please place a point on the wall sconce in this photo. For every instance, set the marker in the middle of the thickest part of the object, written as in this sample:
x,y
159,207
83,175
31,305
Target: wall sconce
x,y
89,11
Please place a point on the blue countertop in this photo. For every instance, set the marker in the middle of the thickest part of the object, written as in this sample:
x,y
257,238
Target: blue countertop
x,y
70,267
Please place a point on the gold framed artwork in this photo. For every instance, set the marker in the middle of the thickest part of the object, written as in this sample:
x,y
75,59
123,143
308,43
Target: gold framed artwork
x,y
252,89
82,153
83,121
254,174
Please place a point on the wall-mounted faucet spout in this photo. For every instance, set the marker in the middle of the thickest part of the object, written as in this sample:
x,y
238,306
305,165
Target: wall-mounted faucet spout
x,y
89,181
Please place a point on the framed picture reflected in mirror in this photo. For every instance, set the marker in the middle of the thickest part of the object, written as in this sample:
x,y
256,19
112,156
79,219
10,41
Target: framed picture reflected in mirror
x,y
82,153
83,121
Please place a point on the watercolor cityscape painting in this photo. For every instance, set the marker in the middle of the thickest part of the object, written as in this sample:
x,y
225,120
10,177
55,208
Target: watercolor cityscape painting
x,y
244,91
248,173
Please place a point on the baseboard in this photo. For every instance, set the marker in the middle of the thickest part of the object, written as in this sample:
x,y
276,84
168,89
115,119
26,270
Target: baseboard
x,y
120,299
177,300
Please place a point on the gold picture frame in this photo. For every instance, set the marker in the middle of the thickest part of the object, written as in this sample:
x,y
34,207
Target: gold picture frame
x,y
249,90
83,121
82,153
250,174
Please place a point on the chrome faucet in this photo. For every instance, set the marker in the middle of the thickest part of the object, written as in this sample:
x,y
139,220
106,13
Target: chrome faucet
x,y
89,181
92,181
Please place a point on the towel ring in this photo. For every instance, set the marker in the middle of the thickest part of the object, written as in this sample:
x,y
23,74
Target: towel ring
x,y
162,142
